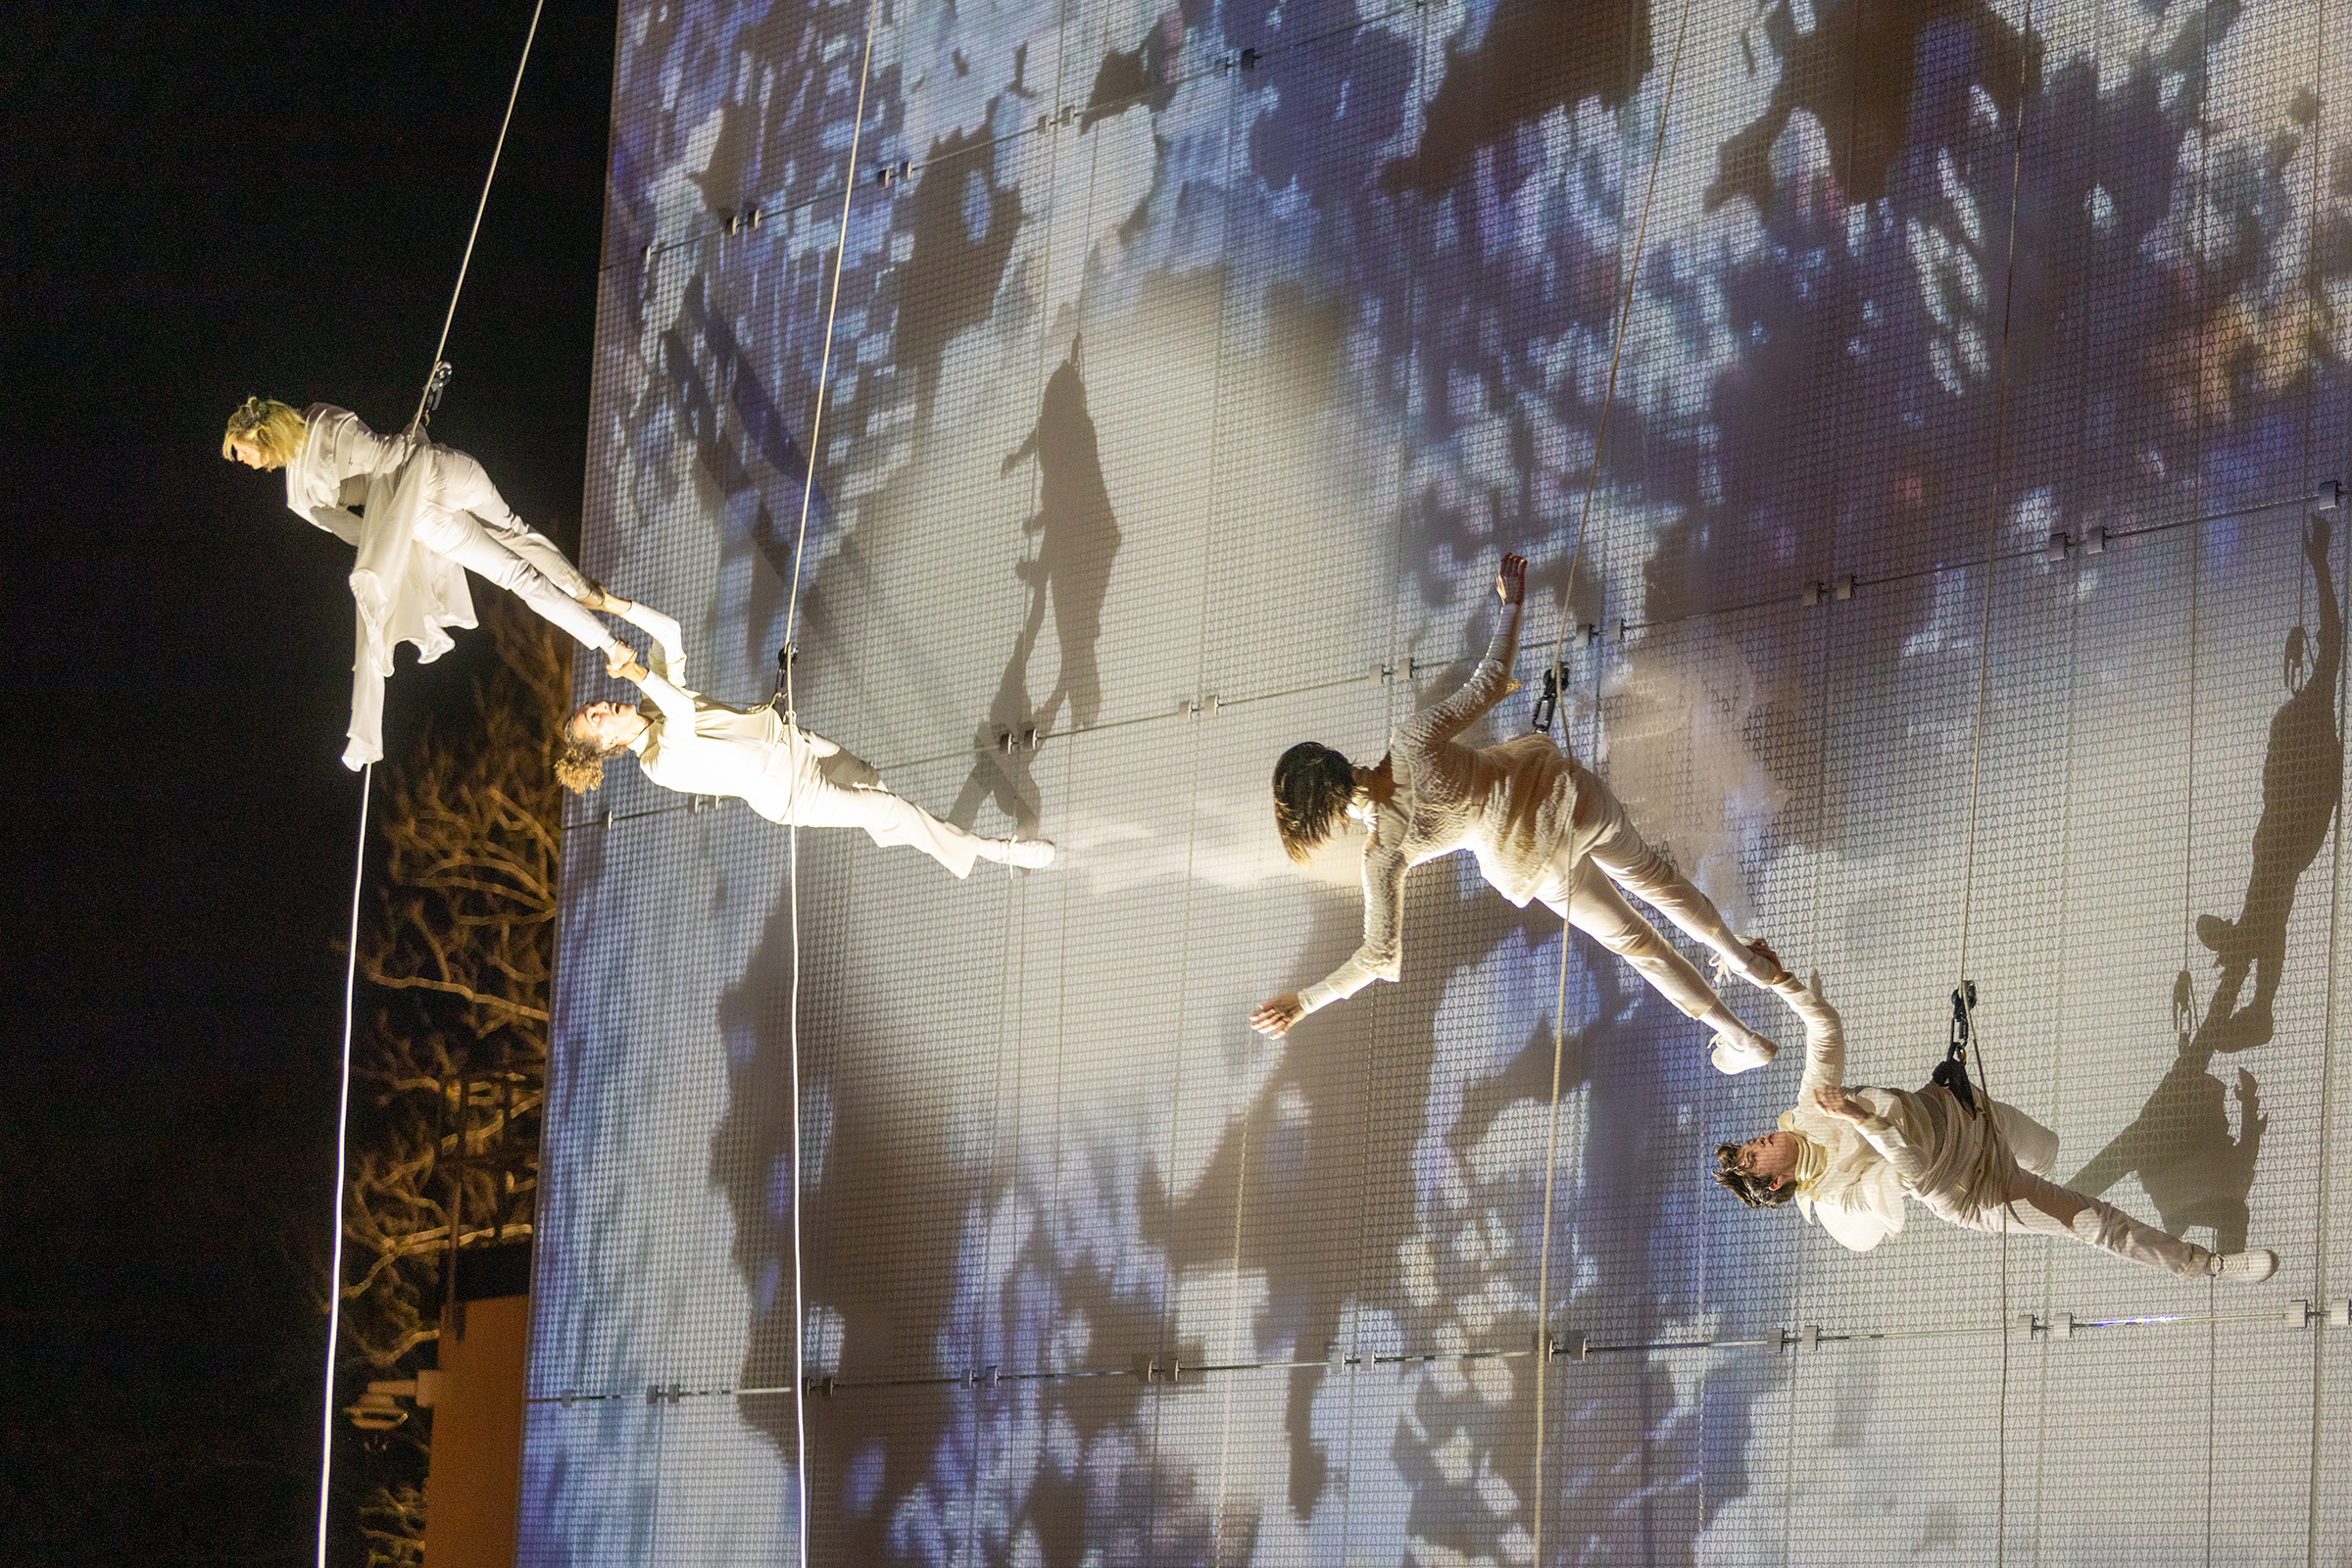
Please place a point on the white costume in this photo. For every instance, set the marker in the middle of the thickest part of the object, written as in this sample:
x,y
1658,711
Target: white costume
x,y
1541,827
432,515
1930,1147
787,774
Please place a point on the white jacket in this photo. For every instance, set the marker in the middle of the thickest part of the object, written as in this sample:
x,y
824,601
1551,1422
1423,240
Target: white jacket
x,y
1509,804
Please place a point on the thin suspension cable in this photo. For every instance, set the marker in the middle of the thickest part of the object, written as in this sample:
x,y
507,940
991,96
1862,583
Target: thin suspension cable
x,y
358,874
1625,312
1986,1134
334,1276
792,610
467,260
1559,1007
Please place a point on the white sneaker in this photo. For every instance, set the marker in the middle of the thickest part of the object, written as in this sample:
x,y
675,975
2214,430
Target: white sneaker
x,y
1027,855
1732,1056
2245,1268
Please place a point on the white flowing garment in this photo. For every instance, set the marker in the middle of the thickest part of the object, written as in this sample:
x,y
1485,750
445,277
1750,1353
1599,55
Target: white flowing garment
x,y
403,592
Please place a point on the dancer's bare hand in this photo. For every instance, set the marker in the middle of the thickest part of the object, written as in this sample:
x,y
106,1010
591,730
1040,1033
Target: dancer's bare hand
x,y
1274,1018
1833,1099
620,660
1510,583
1763,949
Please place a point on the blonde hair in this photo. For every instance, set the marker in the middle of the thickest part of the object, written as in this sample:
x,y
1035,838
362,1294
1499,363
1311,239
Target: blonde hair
x,y
579,767
274,428
581,764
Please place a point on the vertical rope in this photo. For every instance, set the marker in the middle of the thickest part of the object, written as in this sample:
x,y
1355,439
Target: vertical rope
x,y
1560,1006
334,1277
334,1307
1976,758
792,610
467,259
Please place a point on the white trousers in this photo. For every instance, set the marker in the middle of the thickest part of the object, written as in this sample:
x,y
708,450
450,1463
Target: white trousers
x,y
1604,854
2017,1195
459,536
800,788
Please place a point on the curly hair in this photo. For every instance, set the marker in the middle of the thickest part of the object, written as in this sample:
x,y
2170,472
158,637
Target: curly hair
x,y
1313,785
276,428
1756,1191
579,766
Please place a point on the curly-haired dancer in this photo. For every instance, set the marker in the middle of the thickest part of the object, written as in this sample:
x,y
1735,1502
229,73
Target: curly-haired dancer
x,y
1543,828
688,743
1849,1158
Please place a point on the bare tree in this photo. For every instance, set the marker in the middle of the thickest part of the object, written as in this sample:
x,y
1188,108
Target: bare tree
x,y
454,1057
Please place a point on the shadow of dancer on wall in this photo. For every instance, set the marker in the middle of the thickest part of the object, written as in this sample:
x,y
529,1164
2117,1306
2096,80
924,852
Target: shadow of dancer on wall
x,y
1077,541
2302,774
2181,1146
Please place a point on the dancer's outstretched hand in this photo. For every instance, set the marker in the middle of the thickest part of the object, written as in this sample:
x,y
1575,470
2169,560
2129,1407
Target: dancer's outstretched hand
x,y
1510,583
620,660
1274,1018
1763,949
1833,1099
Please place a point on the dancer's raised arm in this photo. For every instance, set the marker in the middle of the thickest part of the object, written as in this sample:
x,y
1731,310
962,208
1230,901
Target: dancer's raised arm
x,y
1541,827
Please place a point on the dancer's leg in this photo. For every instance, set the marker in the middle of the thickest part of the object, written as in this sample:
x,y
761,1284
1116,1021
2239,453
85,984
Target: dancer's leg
x,y
888,821
1610,839
2041,1206
458,536
1591,903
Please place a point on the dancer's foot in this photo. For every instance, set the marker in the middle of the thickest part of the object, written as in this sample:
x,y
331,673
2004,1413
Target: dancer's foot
x,y
1024,855
1741,1052
2245,1268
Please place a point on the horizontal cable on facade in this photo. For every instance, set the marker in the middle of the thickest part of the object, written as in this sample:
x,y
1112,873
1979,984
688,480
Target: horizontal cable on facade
x,y
1174,1371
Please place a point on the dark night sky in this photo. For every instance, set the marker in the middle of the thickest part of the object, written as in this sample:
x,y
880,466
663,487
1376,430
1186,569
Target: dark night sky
x,y
199,201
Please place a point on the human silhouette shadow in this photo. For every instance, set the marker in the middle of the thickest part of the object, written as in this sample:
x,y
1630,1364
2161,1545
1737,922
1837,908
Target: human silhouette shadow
x,y
1078,537
2181,1146
1001,749
2302,775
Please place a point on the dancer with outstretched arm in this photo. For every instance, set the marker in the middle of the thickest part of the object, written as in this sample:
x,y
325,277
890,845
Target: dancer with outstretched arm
x,y
686,742
431,516
1543,828
1849,1158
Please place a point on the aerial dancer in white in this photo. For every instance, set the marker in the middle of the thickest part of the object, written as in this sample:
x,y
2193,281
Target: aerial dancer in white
x,y
688,743
1849,1158
430,514
1542,827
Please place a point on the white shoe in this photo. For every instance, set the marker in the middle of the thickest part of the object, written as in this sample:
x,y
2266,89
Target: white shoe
x,y
2245,1268
1732,1056
1027,855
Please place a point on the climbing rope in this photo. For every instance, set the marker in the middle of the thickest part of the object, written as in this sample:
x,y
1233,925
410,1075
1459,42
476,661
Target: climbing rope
x,y
1990,1147
334,1277
1554,685
411,436
792,610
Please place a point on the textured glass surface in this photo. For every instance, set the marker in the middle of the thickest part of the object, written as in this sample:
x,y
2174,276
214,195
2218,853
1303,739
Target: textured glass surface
x,y
1939,507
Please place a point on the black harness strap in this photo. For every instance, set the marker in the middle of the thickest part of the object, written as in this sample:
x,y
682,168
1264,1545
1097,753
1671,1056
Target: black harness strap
x,y
1951,1073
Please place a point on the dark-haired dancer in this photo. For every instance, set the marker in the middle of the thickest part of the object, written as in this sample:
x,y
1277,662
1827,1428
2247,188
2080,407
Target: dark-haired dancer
x,y
1543,828
695,746
1849,1158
